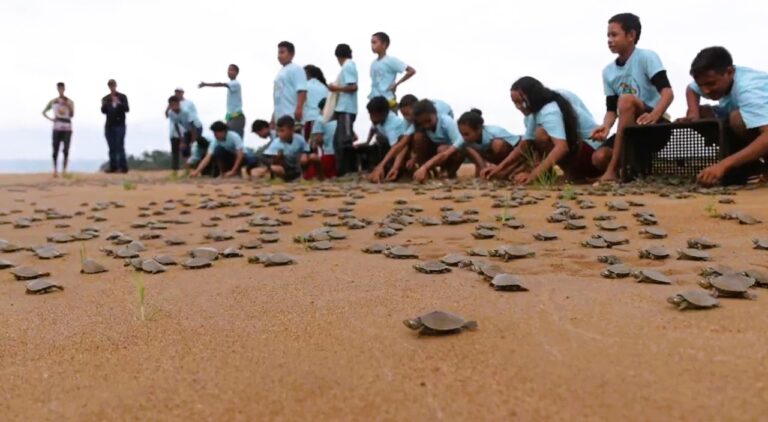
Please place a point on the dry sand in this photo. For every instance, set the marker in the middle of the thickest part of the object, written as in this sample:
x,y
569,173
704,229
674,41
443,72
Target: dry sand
x,y
324,339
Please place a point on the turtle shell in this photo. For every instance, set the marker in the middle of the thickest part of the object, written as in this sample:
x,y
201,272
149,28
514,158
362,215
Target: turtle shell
x,y
152,267
90,266
60,238
231,253
507,282
693,299
651,276
716,270
278,259
760,277
648,220
488,271
595,243
515,252
761,244
383,232
747,219
692,255
6,264
701,243
575,225
251,244
322,245
611,226
557,218
334,235
439,322
219,236
125,253
136,246
617,271
134,262
47,252
604,217
196,263
545,236
175,241
513,224
150,236
609,259
432,267
453,260
209,254
122,240
477,252
484,234
654,232
269,238
400,252
42,286
654,252
732,285
28,273
165,260
375,248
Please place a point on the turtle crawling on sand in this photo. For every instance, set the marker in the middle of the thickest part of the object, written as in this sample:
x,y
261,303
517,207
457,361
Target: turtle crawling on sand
x,y
438,323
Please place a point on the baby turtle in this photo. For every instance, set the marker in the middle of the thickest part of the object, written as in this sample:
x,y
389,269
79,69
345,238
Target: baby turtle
x,y
134,262
47,252
209,254
647,220
439,322
760,277
545,236
604,217
4,265
400,252
513,224
175,241
613,239
432,267
453,218
484,234
654,252
269,238
195,263
165,260
716,270
453,260
375,248
90,266
693,299
28,273
609,259
509,252
278,259
136,246
152,267
125,253
691,254
150,236
747,220
575,225
384,232
651,276
595,243
611,226
653,232
231,253
38,287
557,218
322,245
617,271
507,283
761,244
251,244
617,205
477,252
730,286
219,236
726,200
701,243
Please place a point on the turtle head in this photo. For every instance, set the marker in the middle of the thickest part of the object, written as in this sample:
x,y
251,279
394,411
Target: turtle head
x,y
413,324
675,300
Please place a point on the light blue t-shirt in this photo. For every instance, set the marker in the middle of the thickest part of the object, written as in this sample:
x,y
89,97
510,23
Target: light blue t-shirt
x,y
328,130
232,142
234,97
384,71
195,155
179,123
290,80
316,92
393,128
634,77
446,132
291,151
550,118
490,133
347,102
749,95
442,108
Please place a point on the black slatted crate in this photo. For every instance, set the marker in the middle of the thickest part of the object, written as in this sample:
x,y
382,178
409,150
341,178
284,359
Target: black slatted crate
x,y
679,150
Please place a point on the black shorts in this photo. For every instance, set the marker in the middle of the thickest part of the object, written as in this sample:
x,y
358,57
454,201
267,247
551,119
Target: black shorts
x,y
61,138
612,139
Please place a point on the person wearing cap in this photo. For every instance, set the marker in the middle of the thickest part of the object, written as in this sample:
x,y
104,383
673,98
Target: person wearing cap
x,y
114,105
235,117
185,127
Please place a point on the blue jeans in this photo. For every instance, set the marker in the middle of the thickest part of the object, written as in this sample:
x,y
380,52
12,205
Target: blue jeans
x,y
116,142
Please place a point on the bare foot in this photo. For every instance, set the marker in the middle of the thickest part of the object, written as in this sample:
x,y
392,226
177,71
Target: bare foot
x,y
55,174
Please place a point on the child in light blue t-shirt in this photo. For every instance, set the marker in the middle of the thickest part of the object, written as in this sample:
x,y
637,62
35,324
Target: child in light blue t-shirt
x,y
384,71
636,88
742,95
486,145
345,111
234,117
436,142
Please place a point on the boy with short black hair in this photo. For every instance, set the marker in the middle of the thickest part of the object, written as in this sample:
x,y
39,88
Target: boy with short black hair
x,y
391,129
289,151
636,87
257,158
743,100
290,88
384,71
345,112
226,150
235,117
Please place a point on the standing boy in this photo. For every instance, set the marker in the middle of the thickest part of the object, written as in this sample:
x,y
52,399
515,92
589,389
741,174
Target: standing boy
x,y
114,106
235,117
345,111
63,111
384,71
290,89
636,87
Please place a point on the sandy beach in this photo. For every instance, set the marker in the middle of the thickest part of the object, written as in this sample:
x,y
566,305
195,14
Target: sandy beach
x,y
324,340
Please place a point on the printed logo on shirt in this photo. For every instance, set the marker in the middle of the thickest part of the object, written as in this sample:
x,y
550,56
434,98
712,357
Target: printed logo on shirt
x,y
625,88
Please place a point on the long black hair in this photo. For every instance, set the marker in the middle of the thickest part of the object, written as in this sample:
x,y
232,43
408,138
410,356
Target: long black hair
x,y
314,72
539,96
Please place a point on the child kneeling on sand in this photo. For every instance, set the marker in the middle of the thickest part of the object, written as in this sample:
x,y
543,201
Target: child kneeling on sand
x,y
486,145
226,151
289,151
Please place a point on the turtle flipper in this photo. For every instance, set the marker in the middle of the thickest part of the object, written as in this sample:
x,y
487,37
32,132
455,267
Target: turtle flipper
x,y
470,325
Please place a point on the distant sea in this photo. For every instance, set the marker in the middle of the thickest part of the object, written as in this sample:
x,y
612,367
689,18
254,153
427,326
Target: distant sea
x,y
44,166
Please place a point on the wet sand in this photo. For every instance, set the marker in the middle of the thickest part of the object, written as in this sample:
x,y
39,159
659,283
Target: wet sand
x,y
324,339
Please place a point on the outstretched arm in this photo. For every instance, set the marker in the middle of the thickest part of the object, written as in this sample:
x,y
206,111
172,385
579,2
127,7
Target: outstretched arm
x,y
213,85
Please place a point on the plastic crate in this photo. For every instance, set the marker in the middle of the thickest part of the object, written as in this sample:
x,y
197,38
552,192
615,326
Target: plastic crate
x,y
679,150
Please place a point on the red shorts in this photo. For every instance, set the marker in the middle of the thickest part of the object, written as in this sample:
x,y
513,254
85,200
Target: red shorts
x,y
579,165
328,165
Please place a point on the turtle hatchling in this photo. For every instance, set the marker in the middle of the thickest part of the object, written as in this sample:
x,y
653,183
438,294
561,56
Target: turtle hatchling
x,y
609,259
209,254
28,273
37,287
693,299
439,322
278,259
611,226
616,271
231,253
761,244
484,234
375,248
47,252
432,267
165,260
90,266
195,263
453,260
400,252
507,283
151,266
4,265
653,232
575,225
690,254
595,243
730,286
701,243
545,236
651,276
322,245
654,252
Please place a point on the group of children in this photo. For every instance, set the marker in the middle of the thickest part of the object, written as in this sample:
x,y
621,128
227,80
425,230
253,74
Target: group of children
x,y
310,132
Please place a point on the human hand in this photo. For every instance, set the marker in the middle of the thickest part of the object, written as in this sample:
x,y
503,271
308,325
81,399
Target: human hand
x,y
599,133
711,175
420,175
648,118
393,174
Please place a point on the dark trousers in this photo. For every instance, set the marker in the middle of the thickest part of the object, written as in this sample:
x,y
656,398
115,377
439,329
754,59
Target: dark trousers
x,y
224,159
237,125
346,157
371,155
116,142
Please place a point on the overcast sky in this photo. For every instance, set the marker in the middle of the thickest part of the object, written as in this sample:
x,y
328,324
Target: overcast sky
x,y
467,54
